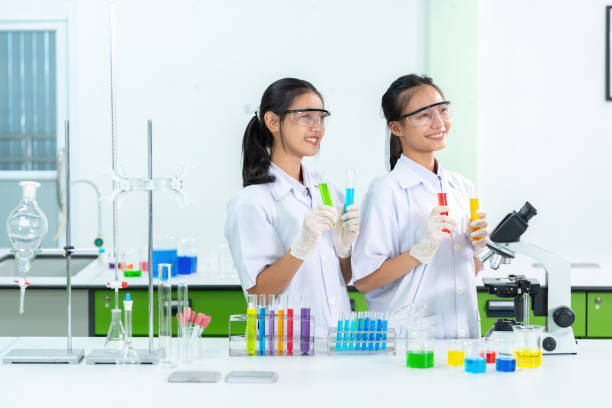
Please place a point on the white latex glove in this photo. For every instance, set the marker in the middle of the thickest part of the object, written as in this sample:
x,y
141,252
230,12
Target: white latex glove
x,y
346,230
480,236
425,250
316,222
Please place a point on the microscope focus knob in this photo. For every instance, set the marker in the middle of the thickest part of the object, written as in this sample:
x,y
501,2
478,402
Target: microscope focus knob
x,y
564,316
549,344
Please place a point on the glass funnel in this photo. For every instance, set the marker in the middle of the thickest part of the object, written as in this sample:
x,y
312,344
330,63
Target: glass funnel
x,y
26,227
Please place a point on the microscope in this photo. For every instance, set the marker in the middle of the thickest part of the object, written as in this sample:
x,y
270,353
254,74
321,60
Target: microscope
x,y
552,300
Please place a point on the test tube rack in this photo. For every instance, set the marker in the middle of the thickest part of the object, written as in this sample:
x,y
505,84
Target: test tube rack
x,y
266,344
357,342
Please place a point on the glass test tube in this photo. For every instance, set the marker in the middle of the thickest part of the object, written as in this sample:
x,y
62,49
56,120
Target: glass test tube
x,y
473,215
359,330
372,331
324,190
305,325
442,201
262,324
282,305
353,320
379,328
164,296
385,326
289,324
349,198
251,324
339,334
183,302
366,327
271,307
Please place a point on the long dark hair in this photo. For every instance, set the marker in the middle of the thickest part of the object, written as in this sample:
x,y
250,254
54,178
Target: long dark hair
x,y
257,139
394,100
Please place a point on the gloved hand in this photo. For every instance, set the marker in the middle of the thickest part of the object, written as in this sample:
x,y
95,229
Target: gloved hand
x,y
346,230
316,222
425,250
478,238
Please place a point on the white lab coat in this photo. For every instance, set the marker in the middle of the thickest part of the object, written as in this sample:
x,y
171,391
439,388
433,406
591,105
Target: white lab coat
x,y
262,223
393,220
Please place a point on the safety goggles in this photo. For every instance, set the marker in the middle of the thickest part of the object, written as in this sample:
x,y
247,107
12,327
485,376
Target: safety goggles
x,y
425,116
308,117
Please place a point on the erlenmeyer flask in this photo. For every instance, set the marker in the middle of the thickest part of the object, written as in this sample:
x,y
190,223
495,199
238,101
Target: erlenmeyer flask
x,y
115,339
26,227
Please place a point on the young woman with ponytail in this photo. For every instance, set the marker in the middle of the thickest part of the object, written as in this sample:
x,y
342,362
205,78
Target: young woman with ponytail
x,y
282,238
410,250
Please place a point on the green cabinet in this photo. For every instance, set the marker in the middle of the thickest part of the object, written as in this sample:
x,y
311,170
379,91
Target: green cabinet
x,y
599,312
219,304
578,306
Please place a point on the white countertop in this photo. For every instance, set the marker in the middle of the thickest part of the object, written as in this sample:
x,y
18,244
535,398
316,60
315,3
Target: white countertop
x,y
319,381
97,274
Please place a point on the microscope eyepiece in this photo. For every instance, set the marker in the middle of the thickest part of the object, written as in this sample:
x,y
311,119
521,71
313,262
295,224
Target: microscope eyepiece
x,y
527,211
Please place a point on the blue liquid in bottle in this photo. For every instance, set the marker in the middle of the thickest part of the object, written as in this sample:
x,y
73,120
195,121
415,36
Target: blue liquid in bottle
x,y
505,364
475,365
162,256
187,264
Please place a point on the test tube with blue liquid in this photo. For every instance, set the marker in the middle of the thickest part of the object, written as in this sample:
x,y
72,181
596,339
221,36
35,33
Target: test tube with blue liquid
x,y
385,326
366,327
261,323
359,330
379,329
339,333
372,330
353,328
347,327
349,198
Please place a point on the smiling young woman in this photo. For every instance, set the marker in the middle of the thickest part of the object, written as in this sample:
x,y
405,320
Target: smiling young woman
x,y
410,251
282,238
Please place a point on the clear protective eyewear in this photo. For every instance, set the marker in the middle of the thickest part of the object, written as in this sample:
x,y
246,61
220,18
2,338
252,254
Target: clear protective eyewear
x,y
425,116
308,117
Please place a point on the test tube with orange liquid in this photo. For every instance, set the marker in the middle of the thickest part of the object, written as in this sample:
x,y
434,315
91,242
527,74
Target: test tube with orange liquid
x,y
473,215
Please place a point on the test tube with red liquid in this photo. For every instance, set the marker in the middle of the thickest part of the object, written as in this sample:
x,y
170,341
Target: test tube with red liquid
x,y
442,201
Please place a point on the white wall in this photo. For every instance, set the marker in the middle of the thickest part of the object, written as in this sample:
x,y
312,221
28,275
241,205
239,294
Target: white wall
x,y
191,66
545,131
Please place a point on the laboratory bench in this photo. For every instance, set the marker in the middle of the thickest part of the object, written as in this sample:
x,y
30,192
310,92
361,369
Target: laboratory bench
x,y
321,380
223,296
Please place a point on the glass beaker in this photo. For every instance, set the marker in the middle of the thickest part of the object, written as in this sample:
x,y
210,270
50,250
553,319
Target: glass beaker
x,y
187,257
116,336
490,349
165,252
456,352
505,360
419,347
475,356
528,344
130,264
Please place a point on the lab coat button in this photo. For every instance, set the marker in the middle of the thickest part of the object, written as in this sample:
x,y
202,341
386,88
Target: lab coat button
x,y
332,300
461,333
459,290
457,247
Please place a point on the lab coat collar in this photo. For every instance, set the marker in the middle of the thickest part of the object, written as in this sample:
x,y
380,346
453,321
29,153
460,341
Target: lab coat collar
x,y
409,173
284,183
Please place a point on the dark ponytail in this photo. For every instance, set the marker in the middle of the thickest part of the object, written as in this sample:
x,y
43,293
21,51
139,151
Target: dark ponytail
x,y
394,100
258,139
